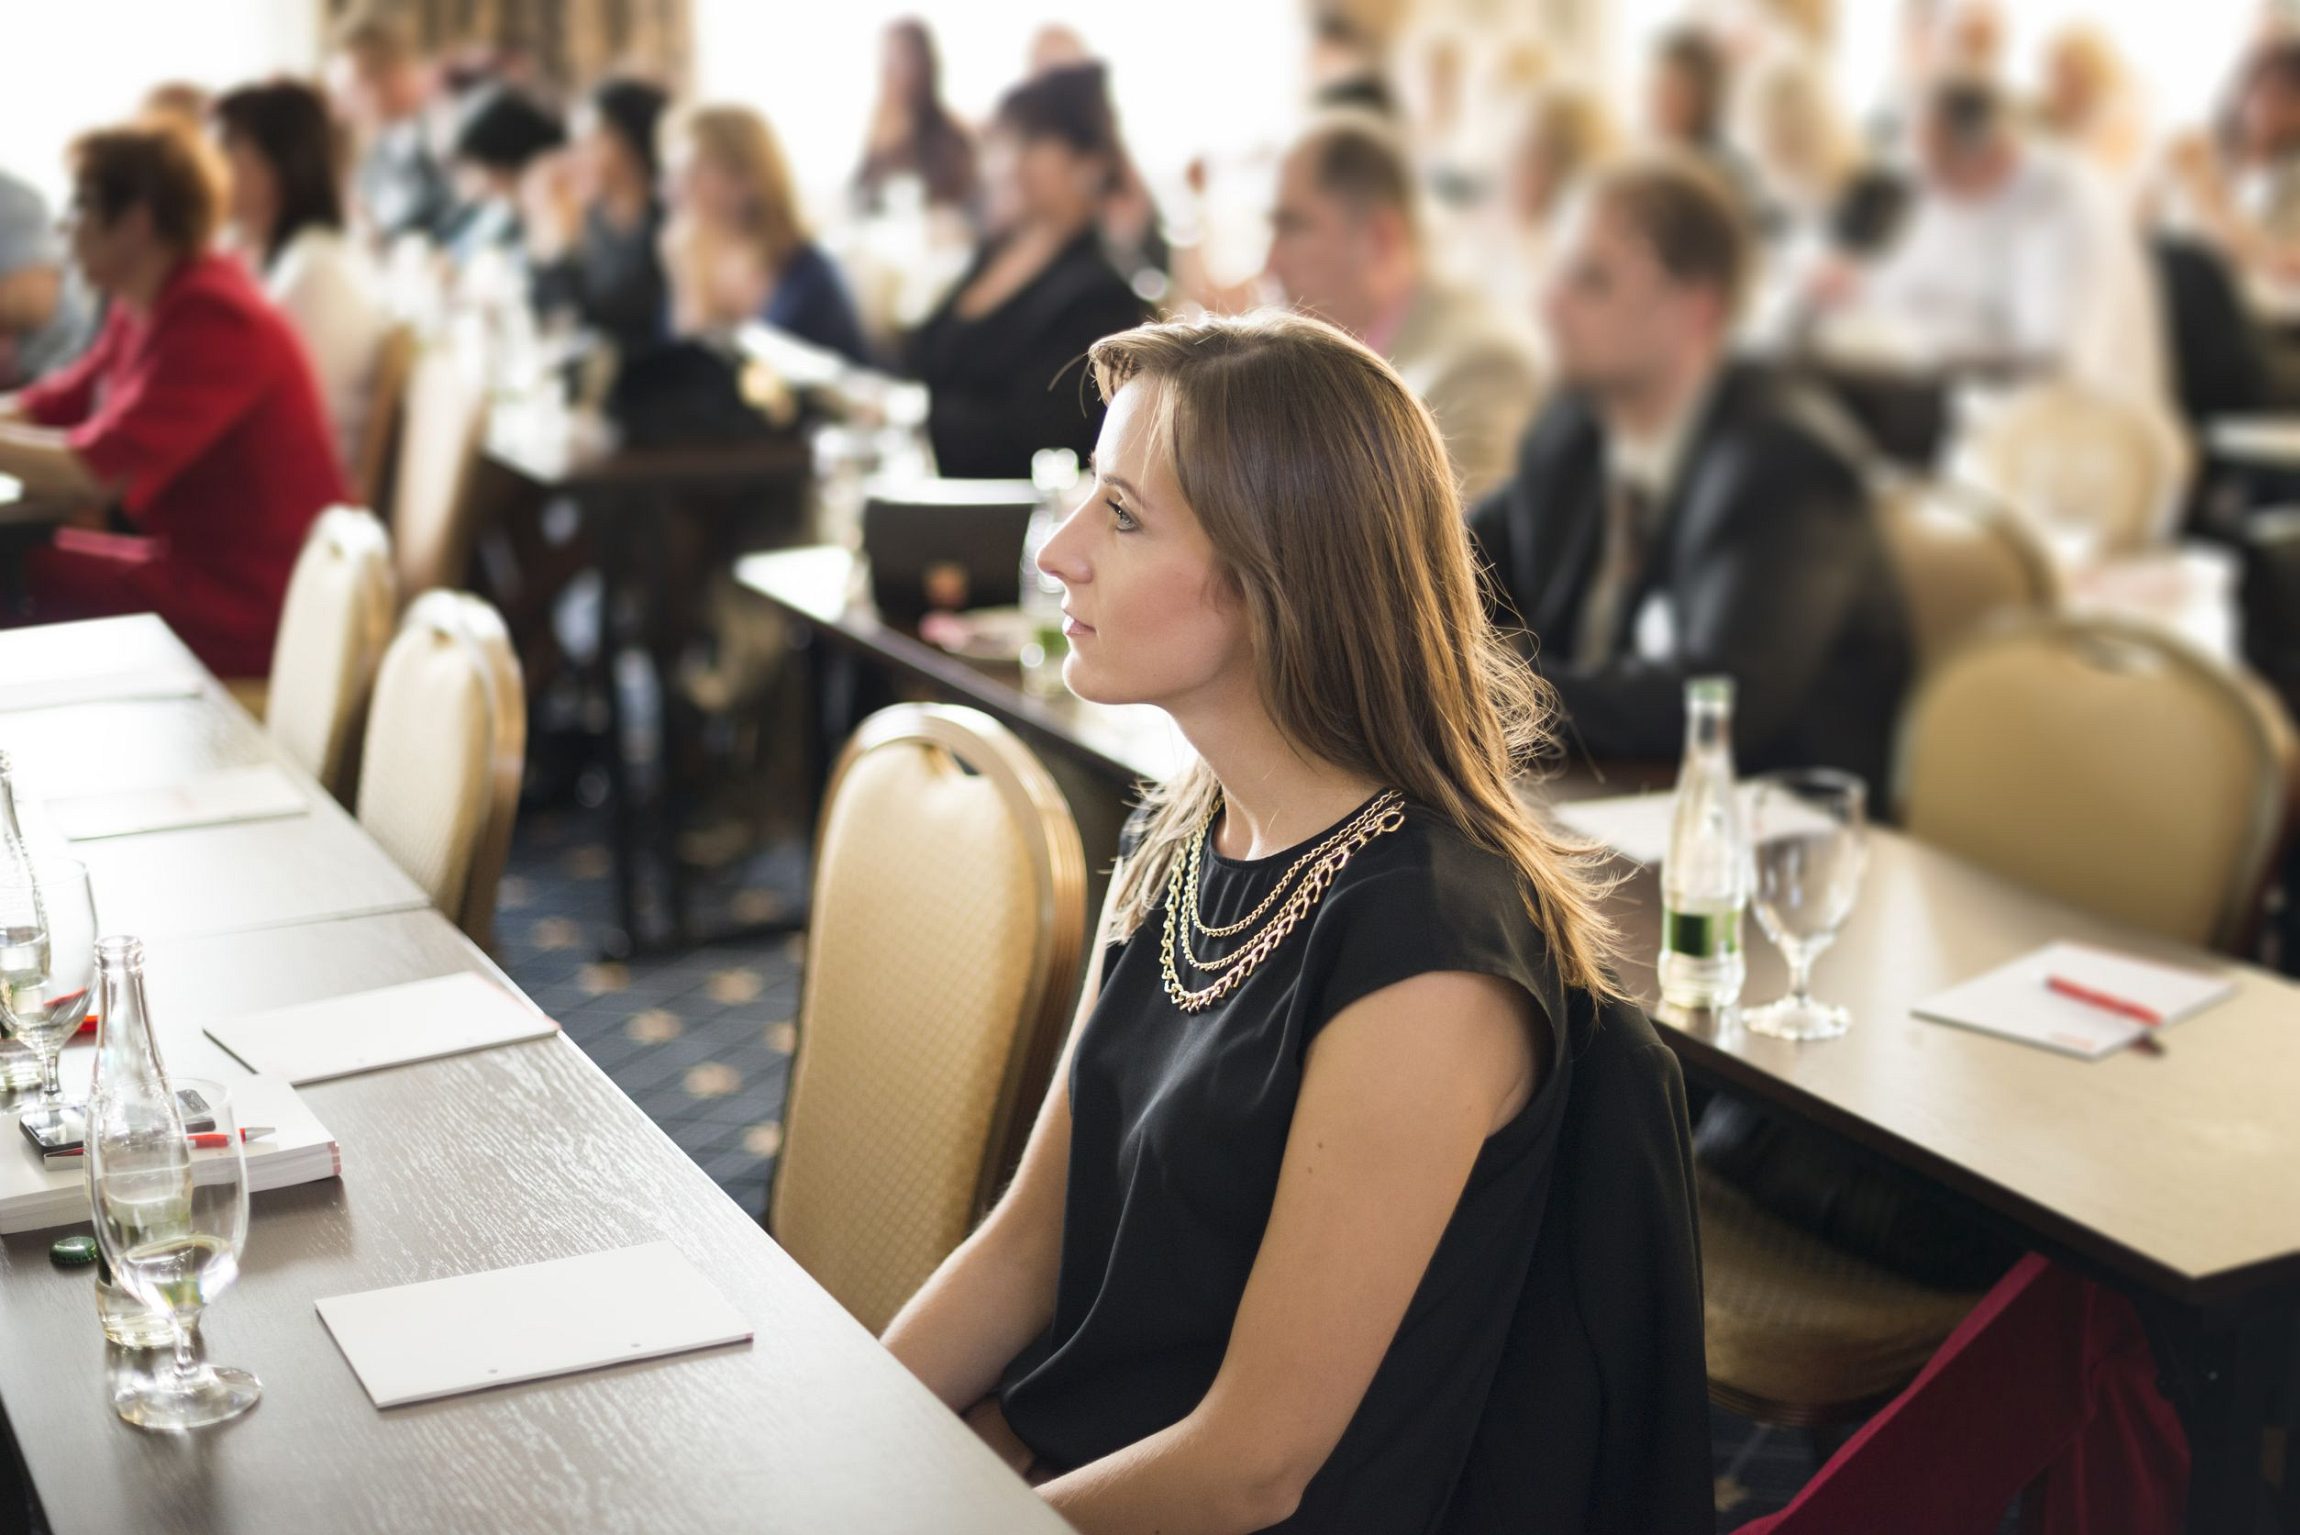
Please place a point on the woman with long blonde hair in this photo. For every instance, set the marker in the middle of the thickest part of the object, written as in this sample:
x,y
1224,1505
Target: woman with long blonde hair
x,y
736,247
1278,1213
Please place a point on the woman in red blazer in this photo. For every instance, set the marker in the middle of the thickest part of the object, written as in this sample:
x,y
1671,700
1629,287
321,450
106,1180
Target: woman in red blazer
x,y
195,414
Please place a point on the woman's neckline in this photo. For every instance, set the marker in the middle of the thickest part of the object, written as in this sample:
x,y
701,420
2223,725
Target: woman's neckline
x,y
1220,860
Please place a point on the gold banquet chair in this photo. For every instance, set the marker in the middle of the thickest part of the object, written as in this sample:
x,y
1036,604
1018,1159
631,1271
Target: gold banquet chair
x,y
333,628
446,744
944,949
2059,445
436,483
1965,561
2107,763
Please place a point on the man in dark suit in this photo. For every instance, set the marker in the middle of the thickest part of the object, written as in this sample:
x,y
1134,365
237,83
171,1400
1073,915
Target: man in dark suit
x,y
1677,514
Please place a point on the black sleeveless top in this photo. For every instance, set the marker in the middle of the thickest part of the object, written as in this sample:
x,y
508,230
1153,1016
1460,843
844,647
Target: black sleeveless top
x,y
1179,1125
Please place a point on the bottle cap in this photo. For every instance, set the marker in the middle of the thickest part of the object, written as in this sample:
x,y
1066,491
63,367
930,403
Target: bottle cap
x,y
73,1252
1712,691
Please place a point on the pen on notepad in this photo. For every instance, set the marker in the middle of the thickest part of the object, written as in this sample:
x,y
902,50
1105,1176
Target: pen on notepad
x,y
202,1140
2109,1002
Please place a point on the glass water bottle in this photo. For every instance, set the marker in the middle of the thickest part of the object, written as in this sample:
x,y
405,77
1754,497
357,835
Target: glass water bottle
x,y
129,1078
19,1063
1705,877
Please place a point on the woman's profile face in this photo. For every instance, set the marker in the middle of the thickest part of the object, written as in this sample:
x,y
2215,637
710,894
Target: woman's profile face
x,y
1153,618
254,190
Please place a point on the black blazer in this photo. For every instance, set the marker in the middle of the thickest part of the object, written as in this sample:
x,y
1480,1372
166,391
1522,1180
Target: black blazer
x,y
1012,381
1768,556
1597,1422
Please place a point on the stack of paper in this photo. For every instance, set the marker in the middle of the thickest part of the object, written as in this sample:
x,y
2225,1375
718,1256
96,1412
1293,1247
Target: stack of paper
x,y
228,795
35,1194
2018,1002
445,1336
393,1026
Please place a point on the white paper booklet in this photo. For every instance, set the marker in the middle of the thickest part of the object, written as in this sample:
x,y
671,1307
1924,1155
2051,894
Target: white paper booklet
x,y
37,1194
2017,1001
367,1030
259,793
445,1336
98,687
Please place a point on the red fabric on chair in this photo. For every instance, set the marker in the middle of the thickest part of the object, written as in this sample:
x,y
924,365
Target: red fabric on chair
x,y
2049,1382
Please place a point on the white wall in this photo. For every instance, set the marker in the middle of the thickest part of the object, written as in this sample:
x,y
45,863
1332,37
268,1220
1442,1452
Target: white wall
x,y
75,63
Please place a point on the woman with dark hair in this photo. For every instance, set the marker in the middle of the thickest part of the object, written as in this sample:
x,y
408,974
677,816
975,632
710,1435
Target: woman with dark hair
x,y
503,134
998,356
594,219
194,416
913,135
285,212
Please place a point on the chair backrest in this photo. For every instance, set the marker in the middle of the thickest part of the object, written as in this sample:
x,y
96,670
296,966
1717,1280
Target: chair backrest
x,y
1965,560
333,628
371,475
446,744
944,946
2269,543
2065,455
436,486
2107,763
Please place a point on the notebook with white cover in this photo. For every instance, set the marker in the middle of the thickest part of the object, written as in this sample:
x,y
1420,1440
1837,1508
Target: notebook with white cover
x,y
368,1030
442,1337
98,687
2013,1000
229,795
35,1195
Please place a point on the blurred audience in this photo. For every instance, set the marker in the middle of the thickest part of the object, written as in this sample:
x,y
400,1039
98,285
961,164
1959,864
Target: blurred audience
x,y
1677,514
1567,135
2240,188
2086,104
179,103
195,415
504,134
1346,245
2015,256
380,89
736,247
1000,355
916,143
43,310
1687,95
285,214
594,221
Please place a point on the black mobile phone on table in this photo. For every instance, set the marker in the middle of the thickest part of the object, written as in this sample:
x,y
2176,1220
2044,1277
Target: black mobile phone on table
x,y
70,1134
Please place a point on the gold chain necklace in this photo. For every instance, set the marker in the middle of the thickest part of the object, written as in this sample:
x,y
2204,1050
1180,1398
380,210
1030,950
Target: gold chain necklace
x,y
1386,814
1232,930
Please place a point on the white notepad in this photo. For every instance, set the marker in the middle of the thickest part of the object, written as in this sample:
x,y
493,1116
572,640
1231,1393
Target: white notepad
x,y
2013,1000
447,1336
98,687
37,1194
226,796
368,1030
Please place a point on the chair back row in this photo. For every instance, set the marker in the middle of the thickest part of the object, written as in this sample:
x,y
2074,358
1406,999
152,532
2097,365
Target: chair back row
x,y
424,730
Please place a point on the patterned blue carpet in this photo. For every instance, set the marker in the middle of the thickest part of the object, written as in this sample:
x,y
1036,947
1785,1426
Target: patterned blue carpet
x,y
702,1042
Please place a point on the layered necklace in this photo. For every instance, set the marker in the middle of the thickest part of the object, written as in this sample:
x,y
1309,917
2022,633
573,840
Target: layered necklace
x,y
1303,885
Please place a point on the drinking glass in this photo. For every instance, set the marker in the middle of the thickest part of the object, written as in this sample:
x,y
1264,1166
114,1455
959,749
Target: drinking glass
x,y
47,965
171,1215
1809,839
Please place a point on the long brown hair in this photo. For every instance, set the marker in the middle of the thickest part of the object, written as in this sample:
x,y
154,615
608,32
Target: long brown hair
x,y
741,142
1323,485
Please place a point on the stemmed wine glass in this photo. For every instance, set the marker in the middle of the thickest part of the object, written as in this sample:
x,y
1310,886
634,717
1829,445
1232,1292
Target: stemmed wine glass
x,y
47,965
171,1213
1809,837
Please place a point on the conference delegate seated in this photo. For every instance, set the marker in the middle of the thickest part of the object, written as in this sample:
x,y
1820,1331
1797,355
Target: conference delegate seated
x,y
594,223
1675,514
503,134
1346,246
380,86
736,248
286,216
195,411
1361,1202
42,316
1000,355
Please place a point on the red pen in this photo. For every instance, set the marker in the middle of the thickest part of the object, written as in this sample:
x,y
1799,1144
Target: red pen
x,y
2107,1002
201,1140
